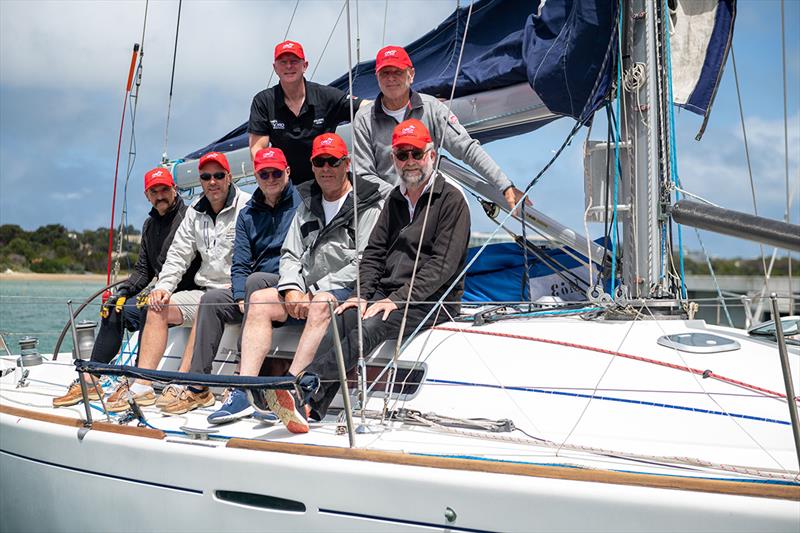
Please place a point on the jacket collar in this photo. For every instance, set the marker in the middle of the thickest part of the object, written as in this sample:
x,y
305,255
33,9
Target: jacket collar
x,y
436,188
204,206
414,102
310,99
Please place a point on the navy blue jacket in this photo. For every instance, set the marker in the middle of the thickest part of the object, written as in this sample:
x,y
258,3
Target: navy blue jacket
x,y
260,232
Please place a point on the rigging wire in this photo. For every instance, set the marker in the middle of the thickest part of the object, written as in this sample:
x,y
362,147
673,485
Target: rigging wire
x,y
434,174
385,16
614,220
749,170
786,216
286,34
330,36
164,158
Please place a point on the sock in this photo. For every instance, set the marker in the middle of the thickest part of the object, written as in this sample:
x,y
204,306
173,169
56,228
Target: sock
x,y
137,388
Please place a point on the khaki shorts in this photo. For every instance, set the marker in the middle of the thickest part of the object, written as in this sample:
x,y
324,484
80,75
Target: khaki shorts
x,y
188,302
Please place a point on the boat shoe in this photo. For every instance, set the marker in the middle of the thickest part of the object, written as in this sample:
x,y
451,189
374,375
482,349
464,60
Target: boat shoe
x,y
236,406
74,395
189,400
170,394
118,401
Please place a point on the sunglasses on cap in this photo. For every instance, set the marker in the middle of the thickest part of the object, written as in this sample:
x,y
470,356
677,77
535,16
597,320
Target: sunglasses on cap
x,y
219,176
333,162
402,155
267,174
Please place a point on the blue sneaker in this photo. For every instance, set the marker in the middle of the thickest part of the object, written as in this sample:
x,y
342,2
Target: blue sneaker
x,y
235,407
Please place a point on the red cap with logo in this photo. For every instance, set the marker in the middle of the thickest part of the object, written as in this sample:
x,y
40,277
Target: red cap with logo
x,y
392,56
329,144
290,47
217,157
270,158
412,132
158,176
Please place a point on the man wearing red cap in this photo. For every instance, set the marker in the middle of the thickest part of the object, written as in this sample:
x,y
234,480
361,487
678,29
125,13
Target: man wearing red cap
x,y
374,123
318,265
207,230
293,112
390,259
120,310
260,231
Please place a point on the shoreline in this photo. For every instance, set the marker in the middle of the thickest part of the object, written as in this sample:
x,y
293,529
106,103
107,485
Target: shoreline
x,y
32,276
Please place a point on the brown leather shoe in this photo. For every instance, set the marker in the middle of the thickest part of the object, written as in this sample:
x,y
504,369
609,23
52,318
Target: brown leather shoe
x,y
74,396
189,401
118,401
170,394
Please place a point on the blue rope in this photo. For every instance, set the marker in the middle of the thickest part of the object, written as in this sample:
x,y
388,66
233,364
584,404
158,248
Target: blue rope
x,y
673,158
616,161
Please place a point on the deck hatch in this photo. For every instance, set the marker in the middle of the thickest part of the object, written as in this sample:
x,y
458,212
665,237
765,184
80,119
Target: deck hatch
x,y
250,499
695,342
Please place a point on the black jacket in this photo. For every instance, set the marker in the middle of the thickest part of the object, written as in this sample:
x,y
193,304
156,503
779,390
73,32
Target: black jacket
x,y
388,260
157,234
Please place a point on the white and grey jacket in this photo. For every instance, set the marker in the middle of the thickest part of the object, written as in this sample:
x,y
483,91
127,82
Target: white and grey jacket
x,y
211,237
372,130
317,257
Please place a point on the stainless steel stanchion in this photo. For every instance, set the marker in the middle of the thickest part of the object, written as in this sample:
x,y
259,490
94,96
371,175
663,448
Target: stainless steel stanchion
x,y
787,374
84,390
337,343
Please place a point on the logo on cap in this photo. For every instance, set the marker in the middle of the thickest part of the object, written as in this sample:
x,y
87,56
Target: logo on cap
x,y
389,53
408,130
287,45
269,154
327,141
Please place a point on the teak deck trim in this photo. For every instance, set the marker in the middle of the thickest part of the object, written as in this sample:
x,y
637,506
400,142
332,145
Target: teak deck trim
x,y
761,490
78,423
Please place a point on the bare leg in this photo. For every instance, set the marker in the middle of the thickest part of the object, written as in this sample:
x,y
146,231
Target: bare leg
x,y
154,336
188,351
319,317
264,307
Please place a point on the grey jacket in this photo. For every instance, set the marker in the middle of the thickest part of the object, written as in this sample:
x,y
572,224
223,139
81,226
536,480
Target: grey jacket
x,y
211,239
316,257
372,131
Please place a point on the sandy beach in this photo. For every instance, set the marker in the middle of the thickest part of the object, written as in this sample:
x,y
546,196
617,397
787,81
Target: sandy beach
x,y
31,276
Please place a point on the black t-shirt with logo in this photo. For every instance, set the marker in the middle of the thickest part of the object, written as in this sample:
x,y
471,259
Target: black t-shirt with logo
x,y
323,109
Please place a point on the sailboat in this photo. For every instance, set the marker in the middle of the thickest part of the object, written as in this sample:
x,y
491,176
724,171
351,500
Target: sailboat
x,y
615,412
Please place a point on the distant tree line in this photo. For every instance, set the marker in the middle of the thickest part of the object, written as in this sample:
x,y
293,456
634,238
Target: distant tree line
x,y
55,249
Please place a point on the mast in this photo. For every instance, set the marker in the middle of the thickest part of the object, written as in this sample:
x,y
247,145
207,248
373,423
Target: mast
x,y
644,156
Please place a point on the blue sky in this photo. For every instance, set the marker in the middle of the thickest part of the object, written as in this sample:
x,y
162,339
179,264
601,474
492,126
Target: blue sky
x,y
63,67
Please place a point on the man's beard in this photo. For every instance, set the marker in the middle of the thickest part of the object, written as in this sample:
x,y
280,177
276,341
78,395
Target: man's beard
x,y
413,177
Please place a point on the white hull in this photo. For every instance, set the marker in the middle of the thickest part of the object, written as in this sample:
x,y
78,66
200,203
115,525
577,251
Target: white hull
x,y
404,476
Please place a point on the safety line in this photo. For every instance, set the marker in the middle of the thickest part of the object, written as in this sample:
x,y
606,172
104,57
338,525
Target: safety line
x,y
704,373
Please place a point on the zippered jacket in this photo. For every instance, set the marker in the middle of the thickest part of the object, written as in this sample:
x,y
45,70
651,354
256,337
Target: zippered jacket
x,y
316,257
388,260
210,237
260,232
157,234
372,133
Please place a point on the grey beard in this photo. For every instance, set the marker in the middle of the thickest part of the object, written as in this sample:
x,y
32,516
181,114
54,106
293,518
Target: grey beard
x,y
412,178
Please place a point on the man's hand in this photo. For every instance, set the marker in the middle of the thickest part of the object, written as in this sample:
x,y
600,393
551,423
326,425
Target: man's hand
x,y
241,306
297,303
158,299
384,306
512,196
352,302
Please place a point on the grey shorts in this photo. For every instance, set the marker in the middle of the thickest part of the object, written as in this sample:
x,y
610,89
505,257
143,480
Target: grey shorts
x,y
188,304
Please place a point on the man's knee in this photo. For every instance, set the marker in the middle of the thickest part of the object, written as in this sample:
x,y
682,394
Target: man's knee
x,y
265,302
319,311
258,281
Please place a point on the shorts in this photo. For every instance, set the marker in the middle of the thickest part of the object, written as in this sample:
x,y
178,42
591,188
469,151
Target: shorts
x,y
188,303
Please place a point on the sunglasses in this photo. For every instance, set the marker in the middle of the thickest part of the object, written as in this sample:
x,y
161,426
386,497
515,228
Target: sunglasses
x,y
402,155
219,176
319,162
267,174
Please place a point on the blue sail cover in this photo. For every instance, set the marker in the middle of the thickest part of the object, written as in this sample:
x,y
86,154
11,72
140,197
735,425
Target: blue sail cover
x,y
565,49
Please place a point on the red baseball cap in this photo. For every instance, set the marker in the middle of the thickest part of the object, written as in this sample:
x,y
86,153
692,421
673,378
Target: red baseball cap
x,y
158,176
270,158
412,132
217,157
392,56
290,47
329,144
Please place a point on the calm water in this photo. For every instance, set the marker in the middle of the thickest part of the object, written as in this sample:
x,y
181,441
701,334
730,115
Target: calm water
x,y
39,308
